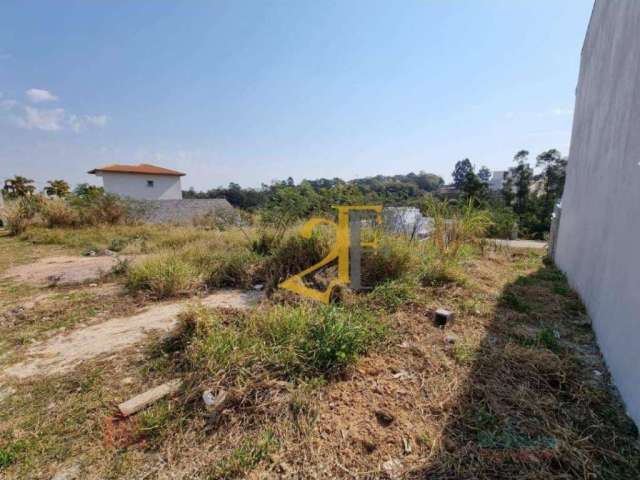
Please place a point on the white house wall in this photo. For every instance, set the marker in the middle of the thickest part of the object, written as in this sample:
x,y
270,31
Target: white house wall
x,y
165,187
599,234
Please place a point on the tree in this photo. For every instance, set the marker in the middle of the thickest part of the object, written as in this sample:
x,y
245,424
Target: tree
x,y
522,175
553,176
84,190
18,186
59,188
473,187
460,171
484,174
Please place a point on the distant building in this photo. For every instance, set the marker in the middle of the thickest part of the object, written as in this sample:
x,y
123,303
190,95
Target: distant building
x,y
448,191
143,181
497,180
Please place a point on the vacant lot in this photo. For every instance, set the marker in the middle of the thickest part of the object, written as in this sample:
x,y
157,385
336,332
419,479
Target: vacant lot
x,y
366,388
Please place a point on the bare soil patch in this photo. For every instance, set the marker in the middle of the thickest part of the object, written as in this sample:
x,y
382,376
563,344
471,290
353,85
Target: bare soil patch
x,y
63,270
63,352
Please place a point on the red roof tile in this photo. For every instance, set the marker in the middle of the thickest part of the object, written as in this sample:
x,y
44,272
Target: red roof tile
x,y
143,168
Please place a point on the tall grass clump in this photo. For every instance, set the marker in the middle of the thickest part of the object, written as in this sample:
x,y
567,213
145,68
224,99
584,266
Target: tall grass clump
x,y
162,275
218,260
390,261
455,228
294,254
16,216
284,341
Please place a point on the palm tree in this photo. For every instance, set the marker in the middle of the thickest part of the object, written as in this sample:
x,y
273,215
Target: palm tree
x,y
19,186
59,188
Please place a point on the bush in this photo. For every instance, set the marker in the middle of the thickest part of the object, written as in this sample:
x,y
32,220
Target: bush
x,y
504,223
163,275
293,255
14,217
57,213
388,262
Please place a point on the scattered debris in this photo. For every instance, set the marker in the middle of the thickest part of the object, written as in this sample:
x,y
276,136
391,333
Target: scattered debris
x,y
393,468
214,402
145,399
406,445
402,375
450,338
442,317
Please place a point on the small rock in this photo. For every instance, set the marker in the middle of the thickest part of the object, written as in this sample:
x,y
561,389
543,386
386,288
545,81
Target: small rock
x,y
127,380
384,417
597,373
402,375
392,468
258,287
93,284
109,253
450,338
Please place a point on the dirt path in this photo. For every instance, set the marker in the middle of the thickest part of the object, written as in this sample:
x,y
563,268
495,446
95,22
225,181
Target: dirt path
x,y
65,351
65,270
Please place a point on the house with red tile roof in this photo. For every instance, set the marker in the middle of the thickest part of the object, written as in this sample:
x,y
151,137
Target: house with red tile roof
x,y
142,181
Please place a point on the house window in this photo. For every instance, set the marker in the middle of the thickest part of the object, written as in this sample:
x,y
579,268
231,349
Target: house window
x,y
150,183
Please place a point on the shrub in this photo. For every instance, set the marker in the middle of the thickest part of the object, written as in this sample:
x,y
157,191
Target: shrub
x,y
162,275
57,213
293,255
453,226
388,262
16,216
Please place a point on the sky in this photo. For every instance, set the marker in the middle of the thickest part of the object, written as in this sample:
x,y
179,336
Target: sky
x,y
253,91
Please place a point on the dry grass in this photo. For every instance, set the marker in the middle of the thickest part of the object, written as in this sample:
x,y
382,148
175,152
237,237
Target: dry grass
x,y
311,394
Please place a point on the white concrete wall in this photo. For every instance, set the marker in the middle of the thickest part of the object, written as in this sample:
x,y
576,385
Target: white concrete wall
x,y
134,185
599,234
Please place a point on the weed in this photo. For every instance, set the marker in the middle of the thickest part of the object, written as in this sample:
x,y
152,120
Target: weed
x,y
154,419
9,453
244,458
513,301
464,353
392,295
163,275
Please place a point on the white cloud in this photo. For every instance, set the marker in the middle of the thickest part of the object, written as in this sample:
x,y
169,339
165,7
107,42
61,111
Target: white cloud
x,y
37,95
78,123
42,119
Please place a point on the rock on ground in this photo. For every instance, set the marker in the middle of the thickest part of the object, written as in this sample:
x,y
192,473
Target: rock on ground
x,y
63,352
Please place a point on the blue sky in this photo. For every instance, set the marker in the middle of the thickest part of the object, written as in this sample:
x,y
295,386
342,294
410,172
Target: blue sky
x,y
248,92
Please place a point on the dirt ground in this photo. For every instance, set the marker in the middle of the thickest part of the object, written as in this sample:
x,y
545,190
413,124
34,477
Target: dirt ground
x,y
63,270
514,388
65,351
